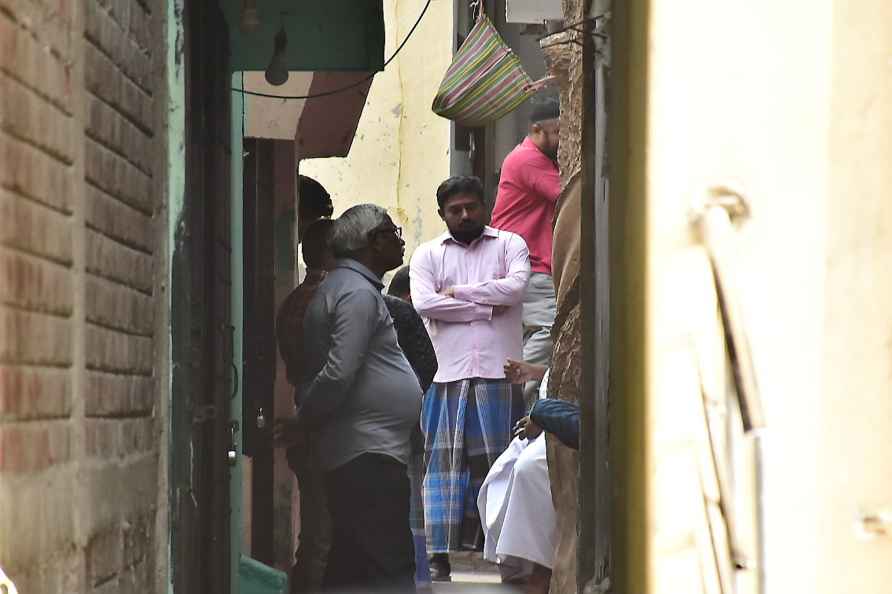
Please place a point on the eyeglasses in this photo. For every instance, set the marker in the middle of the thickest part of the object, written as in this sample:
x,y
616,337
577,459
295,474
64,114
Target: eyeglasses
x,y
398,231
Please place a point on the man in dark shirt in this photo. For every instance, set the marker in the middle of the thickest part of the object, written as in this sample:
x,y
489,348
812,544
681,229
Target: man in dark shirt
x,y
410,330
362,396
313,203
416,344
289,321
310,559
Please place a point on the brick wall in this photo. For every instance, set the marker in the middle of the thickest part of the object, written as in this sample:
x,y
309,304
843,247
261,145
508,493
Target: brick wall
x,y
81,187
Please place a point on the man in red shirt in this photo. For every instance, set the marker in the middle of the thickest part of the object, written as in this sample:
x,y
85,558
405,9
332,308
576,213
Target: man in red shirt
x,y
529,187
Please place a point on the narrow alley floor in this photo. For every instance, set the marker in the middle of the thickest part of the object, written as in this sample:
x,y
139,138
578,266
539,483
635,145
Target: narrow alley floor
x,y
462,587
471,574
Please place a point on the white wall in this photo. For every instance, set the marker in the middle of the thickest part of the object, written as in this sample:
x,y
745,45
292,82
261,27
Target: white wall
x,y
790,102
739,93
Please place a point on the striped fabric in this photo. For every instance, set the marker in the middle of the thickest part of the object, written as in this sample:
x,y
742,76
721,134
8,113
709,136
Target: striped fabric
x,y
467,425
485,80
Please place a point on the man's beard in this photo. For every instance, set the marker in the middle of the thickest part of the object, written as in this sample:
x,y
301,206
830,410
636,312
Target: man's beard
x,y
467,235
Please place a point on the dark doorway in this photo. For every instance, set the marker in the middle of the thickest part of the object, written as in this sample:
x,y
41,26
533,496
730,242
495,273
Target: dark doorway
x,y
260,341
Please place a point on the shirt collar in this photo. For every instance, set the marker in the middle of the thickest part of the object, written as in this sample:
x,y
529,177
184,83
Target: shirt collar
x,y
528,143
355,266
487,232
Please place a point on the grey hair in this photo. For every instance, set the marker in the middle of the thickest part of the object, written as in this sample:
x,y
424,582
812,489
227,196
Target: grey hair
x,y
350,232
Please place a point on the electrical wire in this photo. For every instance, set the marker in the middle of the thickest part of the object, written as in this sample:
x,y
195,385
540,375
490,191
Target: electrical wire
x,y
351,85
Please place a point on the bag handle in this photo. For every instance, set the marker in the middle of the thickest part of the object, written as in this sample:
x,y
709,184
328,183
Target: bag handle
x,y
479,8
542,83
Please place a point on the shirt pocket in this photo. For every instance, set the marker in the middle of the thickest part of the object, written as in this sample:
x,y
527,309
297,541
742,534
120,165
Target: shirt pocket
x,y
500,270
443,276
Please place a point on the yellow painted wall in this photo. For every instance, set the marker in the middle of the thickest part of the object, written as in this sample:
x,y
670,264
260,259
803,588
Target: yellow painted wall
x,y
401,150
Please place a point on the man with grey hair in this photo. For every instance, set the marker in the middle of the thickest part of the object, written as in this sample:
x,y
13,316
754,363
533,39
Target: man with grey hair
x,y
362,397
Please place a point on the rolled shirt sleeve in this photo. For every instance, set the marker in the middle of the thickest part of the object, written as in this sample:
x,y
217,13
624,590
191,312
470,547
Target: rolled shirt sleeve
x,y
558,417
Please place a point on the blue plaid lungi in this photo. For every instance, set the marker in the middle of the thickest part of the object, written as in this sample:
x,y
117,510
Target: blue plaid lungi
x,y
467,424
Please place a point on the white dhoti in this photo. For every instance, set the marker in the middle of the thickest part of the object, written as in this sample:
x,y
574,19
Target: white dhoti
x,y
516,507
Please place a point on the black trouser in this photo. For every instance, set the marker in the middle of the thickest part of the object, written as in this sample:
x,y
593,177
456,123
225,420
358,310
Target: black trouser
x,y
371,548
315,526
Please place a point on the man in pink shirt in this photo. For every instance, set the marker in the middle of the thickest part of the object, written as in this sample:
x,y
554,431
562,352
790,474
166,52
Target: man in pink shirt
x,y
468,285
529,187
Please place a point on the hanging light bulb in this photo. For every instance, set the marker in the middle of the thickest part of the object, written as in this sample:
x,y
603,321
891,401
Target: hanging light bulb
x,y
277,71
249,21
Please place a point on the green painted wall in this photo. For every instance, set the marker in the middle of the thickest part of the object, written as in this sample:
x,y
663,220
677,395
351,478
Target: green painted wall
x,y
176,186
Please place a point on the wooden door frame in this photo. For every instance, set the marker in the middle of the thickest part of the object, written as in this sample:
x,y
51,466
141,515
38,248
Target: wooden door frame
x,y
260,341
199,316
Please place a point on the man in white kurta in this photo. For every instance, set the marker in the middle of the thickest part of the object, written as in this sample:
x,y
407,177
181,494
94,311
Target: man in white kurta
x,y
516,506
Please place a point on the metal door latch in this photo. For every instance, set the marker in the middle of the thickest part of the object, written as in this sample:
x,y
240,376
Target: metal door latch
x,y
232,452
261,420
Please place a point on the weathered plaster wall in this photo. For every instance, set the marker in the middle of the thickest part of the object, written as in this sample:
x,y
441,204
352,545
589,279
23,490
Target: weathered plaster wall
x,y
722,110
401,150
856,411
797,121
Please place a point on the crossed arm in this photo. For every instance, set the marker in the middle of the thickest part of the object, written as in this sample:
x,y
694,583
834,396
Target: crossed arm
x,y
474,301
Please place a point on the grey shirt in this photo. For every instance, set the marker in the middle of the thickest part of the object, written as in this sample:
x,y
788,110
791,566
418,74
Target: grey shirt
x,y
358,390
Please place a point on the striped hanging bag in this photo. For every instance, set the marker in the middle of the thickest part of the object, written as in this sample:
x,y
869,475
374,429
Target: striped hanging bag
x,y
485,80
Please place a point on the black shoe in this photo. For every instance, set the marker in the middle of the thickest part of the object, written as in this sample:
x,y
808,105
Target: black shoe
x,y
441,570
